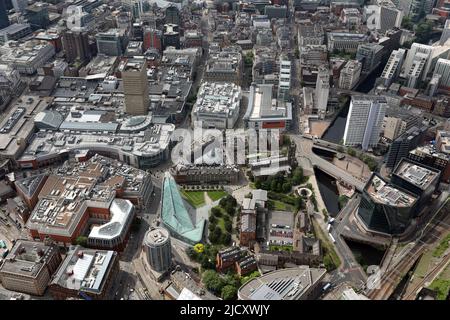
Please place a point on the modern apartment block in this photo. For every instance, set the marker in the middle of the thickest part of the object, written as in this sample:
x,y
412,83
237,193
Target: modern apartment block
x,y
393,67
364,121
350,74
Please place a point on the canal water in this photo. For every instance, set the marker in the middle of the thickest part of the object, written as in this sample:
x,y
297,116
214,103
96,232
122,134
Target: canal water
x,y
335,132
328,191
365,254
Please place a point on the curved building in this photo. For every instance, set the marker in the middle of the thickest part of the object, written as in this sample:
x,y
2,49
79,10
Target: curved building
x,y
175,216
385,208
158,249
299,283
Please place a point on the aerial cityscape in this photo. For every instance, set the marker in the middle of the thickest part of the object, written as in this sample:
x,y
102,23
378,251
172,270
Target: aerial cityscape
x,y
252,150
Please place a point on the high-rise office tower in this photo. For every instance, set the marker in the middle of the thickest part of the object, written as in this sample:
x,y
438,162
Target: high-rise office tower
x,y
442,69
393,66
135,86
76,45
152,39
4,20
322,90
172,15
364,121
20,5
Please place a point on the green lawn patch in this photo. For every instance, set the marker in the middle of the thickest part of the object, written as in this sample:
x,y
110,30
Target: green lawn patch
x,y
195,198
422,266
281,248
442,287
442,247
216,195
280,206
330,257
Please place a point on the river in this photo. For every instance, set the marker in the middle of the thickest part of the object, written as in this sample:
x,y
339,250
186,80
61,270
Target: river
x,y
328,191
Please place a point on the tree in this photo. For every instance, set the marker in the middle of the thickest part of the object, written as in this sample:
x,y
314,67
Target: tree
x,y
215,235
225,238
329,263
228,226
286,187
212,281
229,292
216,212
212,219
81,241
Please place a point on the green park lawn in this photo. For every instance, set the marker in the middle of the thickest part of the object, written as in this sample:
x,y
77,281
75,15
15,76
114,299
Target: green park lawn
x,y
195,198
216,195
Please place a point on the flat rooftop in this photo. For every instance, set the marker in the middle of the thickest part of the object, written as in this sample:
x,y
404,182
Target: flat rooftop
x,y
262,105
384,193
18,124
27,258
74,187
214,97
283,284
84,269
415,174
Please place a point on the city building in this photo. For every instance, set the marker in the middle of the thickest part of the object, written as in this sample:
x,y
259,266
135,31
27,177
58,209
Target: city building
x,y
227,258
114,232
98,194
445,33
29,266
17,127
111,43
217,105
4,20
443,141
349,75
171,36
29,56
76,45
310,34
385,208
224,66
370,55
393,67
158,249
246,265
442,69
20,5
153,39
313,54
417,62
299,283
284,82
266,112
418,179
28,189
85,274
364,121
429,156
403,144
175,217
348,42
172,15
205,174
275,11
351,17
37,15
135,87
383,16
14,32
322,91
